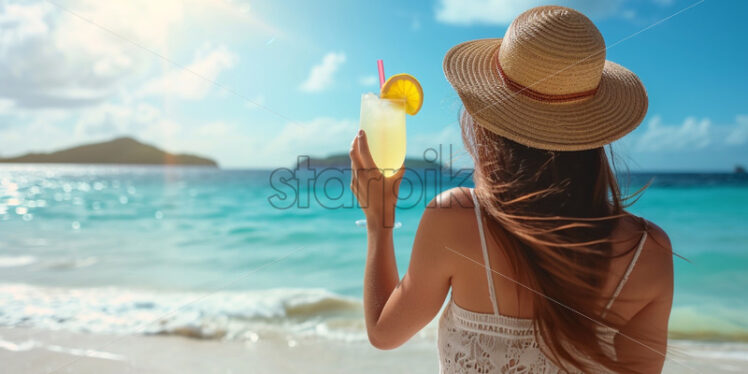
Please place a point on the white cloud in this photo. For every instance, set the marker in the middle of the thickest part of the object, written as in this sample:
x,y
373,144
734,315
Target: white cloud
x,y
21,22
368,80
109,120
226,142
49,57
82,52
321,75
22,131
6,106
184,83
691,134
65,81
502,12
739,134
320,136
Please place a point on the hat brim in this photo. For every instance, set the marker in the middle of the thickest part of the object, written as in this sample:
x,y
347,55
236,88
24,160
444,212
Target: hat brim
x,y
617,107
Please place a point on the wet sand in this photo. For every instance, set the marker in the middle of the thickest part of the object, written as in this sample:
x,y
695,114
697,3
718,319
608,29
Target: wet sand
x,y
26,350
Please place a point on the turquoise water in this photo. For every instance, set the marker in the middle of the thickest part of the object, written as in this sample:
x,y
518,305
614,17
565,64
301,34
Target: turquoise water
x,y
223,253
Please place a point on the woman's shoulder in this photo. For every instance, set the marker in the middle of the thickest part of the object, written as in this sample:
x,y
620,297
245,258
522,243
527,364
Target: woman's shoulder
x,y
658,237
450,211
456,198
448,221
655,263
659,251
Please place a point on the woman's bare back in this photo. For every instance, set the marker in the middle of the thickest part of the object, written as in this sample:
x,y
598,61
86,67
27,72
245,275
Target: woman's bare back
x,y
642,306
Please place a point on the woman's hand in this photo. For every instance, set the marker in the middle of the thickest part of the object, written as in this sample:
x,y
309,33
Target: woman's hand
x,y
376,194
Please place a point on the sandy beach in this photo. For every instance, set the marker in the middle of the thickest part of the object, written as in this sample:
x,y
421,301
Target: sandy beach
x,y
24,350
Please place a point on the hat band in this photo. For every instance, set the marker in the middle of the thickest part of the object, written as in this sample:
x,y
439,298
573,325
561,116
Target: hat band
x,y
527,91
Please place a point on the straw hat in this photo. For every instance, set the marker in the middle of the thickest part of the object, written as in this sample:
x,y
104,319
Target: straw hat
x,y
547,84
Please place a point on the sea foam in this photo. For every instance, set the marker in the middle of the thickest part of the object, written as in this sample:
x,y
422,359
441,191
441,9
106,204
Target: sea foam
x,y
218,315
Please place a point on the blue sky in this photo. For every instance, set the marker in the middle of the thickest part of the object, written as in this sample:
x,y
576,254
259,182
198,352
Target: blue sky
x,y
86,70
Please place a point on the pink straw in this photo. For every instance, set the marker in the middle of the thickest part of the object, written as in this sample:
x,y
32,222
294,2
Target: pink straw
x,y
380,66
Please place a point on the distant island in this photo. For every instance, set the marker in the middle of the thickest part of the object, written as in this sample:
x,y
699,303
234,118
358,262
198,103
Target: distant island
x,y
123,150
344,161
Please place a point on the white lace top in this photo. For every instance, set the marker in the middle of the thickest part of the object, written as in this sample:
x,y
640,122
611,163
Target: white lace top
x,y
471,342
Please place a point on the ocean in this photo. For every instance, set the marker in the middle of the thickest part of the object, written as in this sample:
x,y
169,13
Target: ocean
x,y
248,255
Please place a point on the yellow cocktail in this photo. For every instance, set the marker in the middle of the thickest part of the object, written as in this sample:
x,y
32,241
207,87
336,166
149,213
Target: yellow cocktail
x,y
384,123
383,120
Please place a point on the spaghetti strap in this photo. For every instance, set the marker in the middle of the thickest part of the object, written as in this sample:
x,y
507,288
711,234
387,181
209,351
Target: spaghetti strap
x,y
625,277
478,217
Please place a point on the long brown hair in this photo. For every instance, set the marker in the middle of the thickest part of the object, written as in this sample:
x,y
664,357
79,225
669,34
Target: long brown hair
x,y
553,214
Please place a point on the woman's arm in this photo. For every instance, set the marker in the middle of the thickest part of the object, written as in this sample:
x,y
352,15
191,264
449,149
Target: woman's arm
x,y
380,277
394,311
642,344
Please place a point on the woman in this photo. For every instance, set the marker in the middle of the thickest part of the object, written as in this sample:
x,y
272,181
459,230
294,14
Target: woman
x,y
548,272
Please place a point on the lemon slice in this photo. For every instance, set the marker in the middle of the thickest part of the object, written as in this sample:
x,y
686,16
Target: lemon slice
x,y
404,86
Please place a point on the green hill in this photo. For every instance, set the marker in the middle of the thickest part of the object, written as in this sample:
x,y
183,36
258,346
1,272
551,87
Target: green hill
x,y
117,151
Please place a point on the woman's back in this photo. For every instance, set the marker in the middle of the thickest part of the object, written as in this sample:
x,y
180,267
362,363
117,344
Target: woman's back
x,y
473,334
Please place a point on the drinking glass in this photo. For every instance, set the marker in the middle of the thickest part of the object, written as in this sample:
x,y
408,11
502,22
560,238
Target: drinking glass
x,y
383,120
